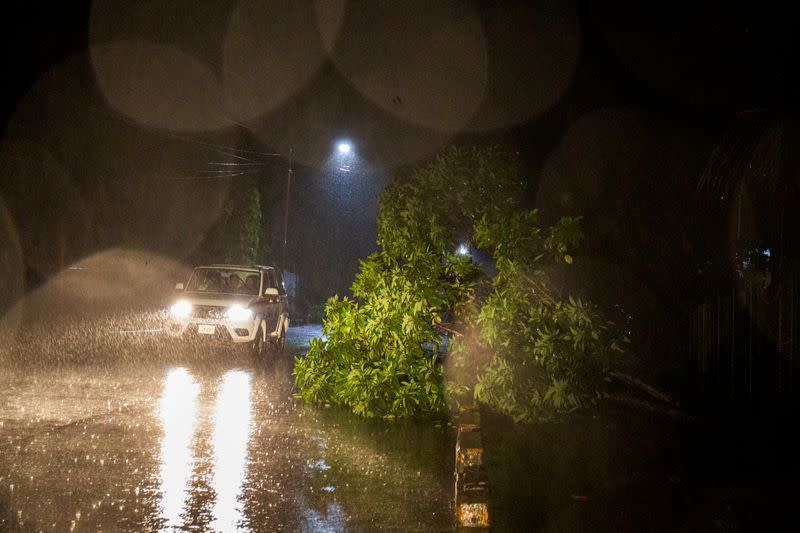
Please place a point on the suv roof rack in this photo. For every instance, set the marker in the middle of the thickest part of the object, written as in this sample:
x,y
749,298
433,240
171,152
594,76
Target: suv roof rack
x,y
227,265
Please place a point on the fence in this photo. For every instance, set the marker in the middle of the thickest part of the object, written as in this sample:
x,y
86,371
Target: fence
x,y
746,343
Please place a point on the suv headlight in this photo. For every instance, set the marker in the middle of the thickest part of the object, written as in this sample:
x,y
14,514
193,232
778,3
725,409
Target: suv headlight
x,y
180,309
239,313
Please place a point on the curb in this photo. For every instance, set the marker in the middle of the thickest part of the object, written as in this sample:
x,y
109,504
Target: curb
x,y
471,478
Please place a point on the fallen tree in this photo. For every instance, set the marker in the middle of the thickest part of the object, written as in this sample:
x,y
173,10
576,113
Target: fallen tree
x,y
548,354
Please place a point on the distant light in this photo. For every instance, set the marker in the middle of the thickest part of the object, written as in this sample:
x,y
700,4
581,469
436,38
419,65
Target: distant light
x,y
462,249
344,148
767,252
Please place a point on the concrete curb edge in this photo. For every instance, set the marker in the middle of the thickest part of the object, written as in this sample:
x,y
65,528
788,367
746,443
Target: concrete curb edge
x,y
471,478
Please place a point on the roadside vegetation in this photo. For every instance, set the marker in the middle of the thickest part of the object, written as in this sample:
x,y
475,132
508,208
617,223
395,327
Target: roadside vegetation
x,y
462,282
236,237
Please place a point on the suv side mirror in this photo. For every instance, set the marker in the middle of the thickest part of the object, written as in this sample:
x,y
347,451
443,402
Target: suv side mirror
x,y
179,286
272,291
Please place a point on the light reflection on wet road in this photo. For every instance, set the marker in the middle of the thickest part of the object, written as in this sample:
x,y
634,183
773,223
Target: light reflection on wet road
x,y
178,410
231,436
214,443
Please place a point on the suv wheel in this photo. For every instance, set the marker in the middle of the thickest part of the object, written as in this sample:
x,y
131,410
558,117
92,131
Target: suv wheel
x,y
280,344
258,342
276,344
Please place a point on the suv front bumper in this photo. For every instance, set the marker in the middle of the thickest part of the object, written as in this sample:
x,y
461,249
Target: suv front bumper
x,y
221,330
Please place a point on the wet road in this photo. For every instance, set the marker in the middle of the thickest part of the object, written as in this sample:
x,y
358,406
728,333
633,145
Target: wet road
x,y
213,442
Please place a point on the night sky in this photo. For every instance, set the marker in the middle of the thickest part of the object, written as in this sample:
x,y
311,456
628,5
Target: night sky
x,y
616,111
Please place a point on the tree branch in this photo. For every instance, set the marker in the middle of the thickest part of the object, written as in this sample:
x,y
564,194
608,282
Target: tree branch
x,y
630,401
449,330
538,286
641,385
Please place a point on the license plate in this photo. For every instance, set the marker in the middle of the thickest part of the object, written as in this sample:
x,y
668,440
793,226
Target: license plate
x,y
206,329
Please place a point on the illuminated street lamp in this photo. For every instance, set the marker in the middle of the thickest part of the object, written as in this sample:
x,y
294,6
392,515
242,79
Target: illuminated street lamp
x,y
344,148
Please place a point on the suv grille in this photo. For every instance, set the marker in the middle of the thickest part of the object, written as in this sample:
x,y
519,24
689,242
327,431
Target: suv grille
x,y
208,311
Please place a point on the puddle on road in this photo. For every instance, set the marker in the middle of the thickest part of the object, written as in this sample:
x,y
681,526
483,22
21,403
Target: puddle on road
x,y
208,446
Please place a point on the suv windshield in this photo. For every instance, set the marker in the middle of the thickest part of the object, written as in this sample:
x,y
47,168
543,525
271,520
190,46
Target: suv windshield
x,y
224,280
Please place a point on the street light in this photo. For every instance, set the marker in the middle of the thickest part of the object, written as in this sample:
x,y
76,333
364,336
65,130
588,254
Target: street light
x,y
345,148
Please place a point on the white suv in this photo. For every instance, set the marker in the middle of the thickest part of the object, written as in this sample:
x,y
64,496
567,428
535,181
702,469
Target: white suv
x,y
232,303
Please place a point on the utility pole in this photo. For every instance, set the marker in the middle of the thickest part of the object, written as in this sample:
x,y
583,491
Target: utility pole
x,y
286,211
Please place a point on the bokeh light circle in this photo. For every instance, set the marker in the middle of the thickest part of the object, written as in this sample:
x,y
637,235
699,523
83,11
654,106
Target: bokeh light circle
x,y
424,62
533,54
271,50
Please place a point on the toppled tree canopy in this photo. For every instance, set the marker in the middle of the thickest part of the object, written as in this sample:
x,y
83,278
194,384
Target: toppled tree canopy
x,y
381,356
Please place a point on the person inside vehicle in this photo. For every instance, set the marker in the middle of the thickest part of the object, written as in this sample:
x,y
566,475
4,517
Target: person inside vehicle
x,y
234,283
212,282
251,284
